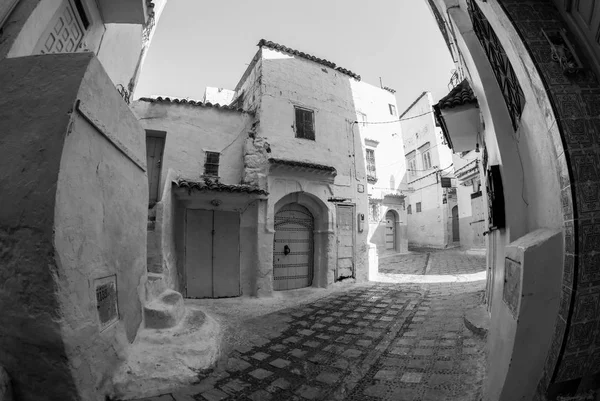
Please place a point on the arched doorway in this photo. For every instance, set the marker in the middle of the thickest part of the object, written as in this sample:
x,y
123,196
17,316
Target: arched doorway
x,y
390,231
293,256
455,229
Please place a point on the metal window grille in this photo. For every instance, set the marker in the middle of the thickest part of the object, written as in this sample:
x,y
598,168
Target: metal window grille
x,y
211,165
418,207
305,123
503,70
371,170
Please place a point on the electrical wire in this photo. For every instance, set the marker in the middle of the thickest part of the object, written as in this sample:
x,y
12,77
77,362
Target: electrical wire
x,y
393,121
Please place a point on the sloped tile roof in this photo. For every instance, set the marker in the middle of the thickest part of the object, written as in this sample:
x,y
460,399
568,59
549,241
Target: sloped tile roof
x,y
212,185
198,103
327,63
294,163
461,94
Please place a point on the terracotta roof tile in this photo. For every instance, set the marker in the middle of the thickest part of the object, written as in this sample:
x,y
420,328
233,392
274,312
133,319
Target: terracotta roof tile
x,y
198,103
212,185
327,63
295,163
461,94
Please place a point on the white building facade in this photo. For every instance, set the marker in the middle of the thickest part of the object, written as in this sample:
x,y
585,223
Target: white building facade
x,y
381,139
432,210
282,167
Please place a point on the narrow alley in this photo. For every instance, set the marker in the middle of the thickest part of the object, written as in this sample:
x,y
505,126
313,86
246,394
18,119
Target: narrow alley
x,y
379,341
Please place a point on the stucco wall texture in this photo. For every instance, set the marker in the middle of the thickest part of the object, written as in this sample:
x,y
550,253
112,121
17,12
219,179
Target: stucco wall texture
x,y
329,94
73,210
536,177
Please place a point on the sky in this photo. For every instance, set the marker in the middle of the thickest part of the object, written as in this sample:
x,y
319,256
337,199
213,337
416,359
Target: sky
x,y
201,43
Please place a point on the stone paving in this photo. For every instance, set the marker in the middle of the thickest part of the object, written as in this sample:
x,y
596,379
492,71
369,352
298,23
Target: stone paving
x,y
373,342
433,262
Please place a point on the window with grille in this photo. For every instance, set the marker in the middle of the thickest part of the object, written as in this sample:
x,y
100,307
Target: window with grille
x,y
392,109
418,207
305,123
412,168
371,171
426,160
409,209
211,165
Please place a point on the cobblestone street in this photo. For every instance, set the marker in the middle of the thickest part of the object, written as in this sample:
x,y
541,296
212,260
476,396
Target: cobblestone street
x,y
433,262
378,341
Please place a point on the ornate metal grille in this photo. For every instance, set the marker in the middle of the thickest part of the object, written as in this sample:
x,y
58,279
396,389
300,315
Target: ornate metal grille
x,y
503,70
441,24
371,170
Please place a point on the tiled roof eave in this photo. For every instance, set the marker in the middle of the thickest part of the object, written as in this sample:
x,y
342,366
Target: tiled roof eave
x,y
460,95
214,186
327,63
318,168
190,102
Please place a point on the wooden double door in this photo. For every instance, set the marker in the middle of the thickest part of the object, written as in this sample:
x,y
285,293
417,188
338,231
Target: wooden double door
x,y
212,253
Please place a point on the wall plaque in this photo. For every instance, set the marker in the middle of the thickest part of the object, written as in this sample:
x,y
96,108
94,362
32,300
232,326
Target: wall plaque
x,y
512,285
106,301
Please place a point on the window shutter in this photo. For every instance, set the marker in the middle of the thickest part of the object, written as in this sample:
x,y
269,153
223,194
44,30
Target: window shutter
x,y
309,131
299,124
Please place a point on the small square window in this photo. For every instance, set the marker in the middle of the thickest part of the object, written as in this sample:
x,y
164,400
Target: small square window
x,y
392,109
211,165
418,207
305,123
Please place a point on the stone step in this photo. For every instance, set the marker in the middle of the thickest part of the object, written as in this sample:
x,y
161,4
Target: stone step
x,y
155,285
165,311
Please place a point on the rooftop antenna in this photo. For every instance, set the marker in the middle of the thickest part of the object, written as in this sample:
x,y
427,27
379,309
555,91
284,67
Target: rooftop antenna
x,y
380,83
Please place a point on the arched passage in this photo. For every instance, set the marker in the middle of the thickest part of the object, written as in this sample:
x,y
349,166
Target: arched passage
x,y
390,230
538,128
455,227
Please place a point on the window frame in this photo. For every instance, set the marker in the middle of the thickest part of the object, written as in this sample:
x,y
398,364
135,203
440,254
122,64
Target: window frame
x,y
370,164
418,207
412,173
207,163
426,156
409,209
392,108
296,125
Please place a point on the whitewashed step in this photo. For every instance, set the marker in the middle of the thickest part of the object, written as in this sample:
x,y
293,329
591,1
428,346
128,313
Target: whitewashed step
x,y
155,286
165,311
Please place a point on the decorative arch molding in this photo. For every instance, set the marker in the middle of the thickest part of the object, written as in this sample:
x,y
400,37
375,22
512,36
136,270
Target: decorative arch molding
x,y
319,209
324,235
